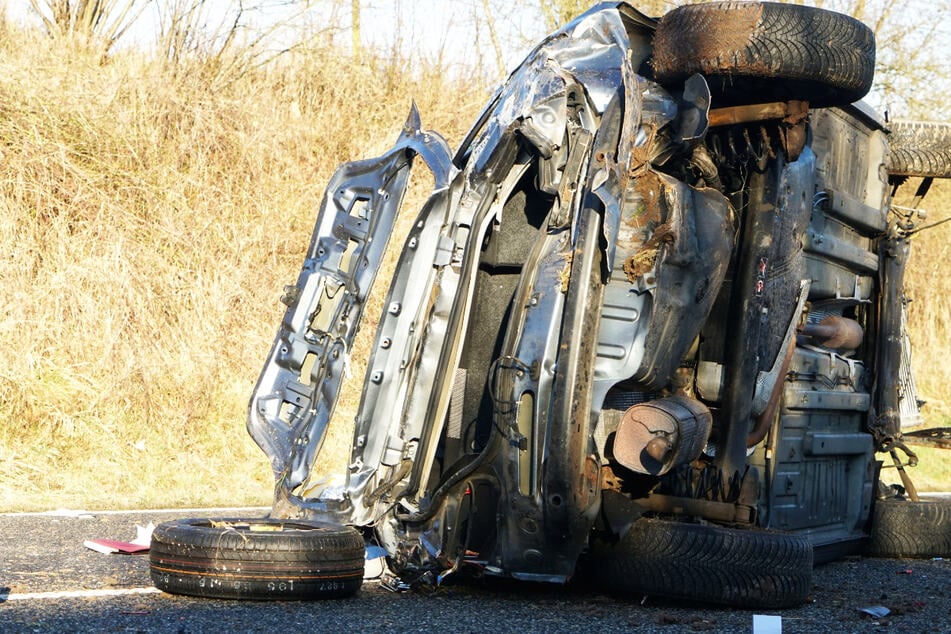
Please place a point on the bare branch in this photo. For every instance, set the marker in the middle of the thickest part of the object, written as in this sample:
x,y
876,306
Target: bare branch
x,y
97,24
493,36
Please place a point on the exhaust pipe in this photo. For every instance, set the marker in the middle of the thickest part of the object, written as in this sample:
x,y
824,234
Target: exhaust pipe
x,y
836,333
656,436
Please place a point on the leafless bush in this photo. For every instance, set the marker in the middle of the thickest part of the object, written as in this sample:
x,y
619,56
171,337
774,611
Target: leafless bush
x,y
93,23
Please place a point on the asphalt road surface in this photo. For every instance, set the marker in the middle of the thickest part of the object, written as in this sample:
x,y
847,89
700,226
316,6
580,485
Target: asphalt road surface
x,y
49,582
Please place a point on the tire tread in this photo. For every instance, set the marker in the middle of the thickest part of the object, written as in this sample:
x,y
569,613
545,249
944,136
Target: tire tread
x,y
920,148
902,528
314,560
741,568
797,52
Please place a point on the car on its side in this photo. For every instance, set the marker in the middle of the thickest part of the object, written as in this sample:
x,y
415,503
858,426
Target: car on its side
x,y
649,324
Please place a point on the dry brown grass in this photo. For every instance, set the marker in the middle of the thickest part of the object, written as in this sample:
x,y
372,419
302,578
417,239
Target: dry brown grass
x,y
928,285
149,220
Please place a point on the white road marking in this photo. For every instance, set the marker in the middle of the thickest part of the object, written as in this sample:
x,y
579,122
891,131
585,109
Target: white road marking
x,y
77,594
77,513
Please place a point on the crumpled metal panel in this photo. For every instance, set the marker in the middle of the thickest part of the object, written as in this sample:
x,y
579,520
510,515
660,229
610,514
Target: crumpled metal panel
x,y
296,392
403,410
674,247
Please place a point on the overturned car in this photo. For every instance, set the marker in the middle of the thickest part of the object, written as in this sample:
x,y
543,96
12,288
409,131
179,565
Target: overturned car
x,y
648,324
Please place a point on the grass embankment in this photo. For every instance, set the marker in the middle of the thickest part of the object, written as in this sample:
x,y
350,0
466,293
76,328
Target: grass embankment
x,y
928,286
149,221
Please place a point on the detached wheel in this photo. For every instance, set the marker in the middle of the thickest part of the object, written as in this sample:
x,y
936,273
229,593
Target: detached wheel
x,y
902,528
920,149
736,567
256,559
756,52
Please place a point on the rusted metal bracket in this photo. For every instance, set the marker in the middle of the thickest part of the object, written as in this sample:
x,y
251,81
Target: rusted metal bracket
x,y
905,478
788,111
708,509
939,437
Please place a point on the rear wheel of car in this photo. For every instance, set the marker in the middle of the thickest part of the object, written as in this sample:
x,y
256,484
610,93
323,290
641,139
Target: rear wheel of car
x,y
920,148
756,52
902,528
743,568
256,559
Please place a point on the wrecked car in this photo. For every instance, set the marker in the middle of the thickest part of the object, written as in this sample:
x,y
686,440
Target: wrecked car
x,y
648,325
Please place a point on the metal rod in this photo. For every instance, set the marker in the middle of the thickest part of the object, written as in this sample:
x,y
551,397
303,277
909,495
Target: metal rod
x,y
905,478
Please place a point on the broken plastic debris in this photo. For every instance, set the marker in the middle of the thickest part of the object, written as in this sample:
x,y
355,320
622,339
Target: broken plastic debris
x,y
393,583
141,543
878,611
767,624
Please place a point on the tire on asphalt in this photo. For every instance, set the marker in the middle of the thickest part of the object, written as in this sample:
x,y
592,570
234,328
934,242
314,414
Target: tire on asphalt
x,y
920,148
757,52
267,559
744,568
902,528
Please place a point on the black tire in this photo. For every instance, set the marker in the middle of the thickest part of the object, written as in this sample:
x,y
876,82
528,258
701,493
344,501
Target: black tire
x,y
756,52
744,568
920,149
256,559
902,528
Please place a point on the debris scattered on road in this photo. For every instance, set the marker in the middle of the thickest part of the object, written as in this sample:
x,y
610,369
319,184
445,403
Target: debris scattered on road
x,y
877,611
141,543
394,584
767,624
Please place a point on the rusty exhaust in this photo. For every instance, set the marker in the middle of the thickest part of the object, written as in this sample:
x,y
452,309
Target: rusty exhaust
x,y
656,436
834,332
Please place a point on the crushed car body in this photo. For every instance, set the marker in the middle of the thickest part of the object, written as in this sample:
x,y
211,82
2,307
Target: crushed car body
x,y
647,296
418,390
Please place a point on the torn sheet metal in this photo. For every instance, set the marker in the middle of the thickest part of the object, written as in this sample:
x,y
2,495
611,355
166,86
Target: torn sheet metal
x,y
295,395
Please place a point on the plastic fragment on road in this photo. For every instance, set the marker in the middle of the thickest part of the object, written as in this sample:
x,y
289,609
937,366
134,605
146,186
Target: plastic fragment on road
x,y
767,624
141,543
878,611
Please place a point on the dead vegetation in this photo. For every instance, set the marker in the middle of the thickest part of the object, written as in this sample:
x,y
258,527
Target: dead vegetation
x,y
150,220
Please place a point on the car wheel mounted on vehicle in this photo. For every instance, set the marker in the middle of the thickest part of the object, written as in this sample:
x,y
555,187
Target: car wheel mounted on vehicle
x,y
737,567
920,149
256,559
902,528
755,52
